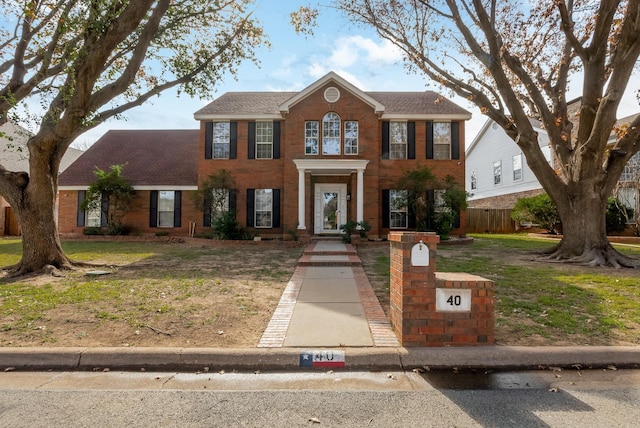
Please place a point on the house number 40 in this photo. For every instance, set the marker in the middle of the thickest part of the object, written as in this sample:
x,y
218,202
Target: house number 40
x,y
453,300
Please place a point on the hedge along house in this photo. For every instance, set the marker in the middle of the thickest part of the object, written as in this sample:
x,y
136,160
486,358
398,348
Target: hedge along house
x,y
315,159
303,162
161,165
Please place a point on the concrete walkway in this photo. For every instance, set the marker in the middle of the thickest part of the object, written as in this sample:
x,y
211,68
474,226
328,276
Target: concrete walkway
x,y
328,302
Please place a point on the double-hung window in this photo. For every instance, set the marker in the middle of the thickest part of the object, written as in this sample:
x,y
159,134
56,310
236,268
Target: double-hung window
x,y
331,134
93,215
517,167
264,207
264,140
221,140
474,179
350,137
442,140
397,140
166,204
497,172
398,209
311,135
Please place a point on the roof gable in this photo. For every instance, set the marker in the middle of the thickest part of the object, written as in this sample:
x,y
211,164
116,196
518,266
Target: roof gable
x,y
152,159
331,77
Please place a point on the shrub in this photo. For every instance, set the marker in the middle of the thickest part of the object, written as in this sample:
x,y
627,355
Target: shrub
x,y
617,215
226,227
538,210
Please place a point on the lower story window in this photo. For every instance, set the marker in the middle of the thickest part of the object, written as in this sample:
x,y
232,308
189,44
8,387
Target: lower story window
x,y
166,204
264,208
93,215
398,209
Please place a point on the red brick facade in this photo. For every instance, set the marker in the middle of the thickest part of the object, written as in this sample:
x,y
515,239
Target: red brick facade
x,y
291,111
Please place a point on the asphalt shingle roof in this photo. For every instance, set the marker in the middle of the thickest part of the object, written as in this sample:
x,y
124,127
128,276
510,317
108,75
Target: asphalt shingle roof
x,y
256,103
152,158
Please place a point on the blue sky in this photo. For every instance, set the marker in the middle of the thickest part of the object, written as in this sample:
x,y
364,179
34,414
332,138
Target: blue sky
x,y
294,62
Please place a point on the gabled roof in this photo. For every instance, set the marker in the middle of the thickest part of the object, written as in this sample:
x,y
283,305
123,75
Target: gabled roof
x,y
534,122
155,159
14,153
388,105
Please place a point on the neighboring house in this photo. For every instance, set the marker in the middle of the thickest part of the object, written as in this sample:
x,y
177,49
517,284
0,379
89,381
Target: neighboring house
x,y
497,174
161,165
14,156
303,162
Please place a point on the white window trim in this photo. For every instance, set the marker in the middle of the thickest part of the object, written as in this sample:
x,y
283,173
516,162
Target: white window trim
x,y
172,210
437,144
394,209
259,143
356,138
94,214
497,164
326,130
520,169
255,210
228,140
307,138
215,211
392,142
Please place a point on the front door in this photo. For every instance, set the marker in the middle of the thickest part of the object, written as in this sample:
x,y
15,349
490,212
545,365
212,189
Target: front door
x,y
330,207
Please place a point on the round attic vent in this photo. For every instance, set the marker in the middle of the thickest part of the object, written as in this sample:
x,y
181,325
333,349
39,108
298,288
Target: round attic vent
x,y
332,94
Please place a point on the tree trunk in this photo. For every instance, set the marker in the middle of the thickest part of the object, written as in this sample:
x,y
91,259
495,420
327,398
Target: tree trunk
x,y
584,232
33,201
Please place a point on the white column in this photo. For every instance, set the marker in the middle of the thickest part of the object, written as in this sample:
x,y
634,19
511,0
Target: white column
x,y
301,199
360,196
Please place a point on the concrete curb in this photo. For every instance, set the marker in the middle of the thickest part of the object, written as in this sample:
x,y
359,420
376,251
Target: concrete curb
x,y
288,359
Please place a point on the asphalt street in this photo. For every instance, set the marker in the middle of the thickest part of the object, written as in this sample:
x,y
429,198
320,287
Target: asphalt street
x,y
545,398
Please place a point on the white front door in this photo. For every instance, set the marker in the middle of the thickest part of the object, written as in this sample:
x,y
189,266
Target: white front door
x,y
330,207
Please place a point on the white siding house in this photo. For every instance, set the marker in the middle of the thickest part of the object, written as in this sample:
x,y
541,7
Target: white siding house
x,y
497,173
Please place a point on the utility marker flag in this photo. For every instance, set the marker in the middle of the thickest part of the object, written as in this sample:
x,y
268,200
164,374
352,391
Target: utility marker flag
x,y
322,358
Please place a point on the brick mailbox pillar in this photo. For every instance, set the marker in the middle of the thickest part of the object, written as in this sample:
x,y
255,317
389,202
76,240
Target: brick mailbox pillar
x,y
430,308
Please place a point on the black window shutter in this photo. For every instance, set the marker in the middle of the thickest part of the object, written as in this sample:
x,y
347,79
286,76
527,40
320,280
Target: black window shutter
x,y
232,201
429,140
411,217
276,140
177,209
208,140
233,140
385,140
431,200
153,209
251,196
251,148
275,208
208,201
411,140
104,211
82,194
455,140
386,209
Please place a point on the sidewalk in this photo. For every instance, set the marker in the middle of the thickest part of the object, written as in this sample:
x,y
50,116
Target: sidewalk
x,y
328,305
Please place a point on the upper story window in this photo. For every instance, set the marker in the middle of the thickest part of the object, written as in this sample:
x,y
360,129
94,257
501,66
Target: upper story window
x,y
397,140
221,140
264,140
166,204
442,140
350,137
311,137
474,179
331,134
631,170
517,167
497,172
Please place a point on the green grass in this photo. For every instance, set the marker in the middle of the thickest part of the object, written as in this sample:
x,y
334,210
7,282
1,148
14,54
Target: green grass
x,y
553,301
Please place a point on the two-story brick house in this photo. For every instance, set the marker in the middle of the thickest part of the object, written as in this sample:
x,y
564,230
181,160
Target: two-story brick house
x,y
312,160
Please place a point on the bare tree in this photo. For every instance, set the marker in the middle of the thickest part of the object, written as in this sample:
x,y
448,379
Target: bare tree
x,y
86,61
515,60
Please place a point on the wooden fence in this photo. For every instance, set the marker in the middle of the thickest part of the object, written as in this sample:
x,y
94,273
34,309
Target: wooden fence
x,y
480,220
